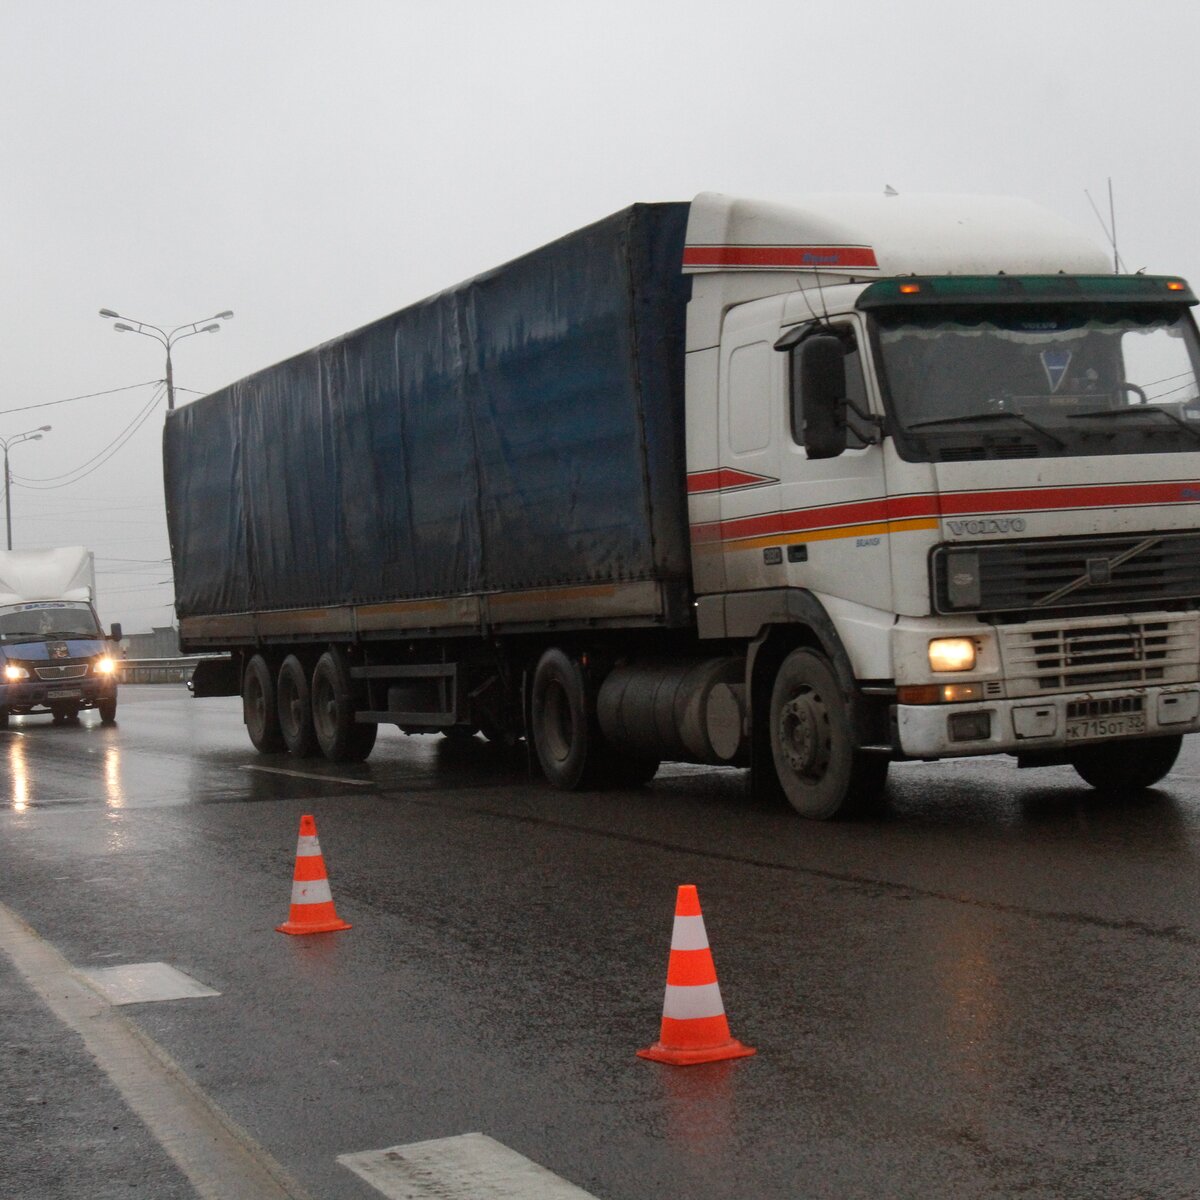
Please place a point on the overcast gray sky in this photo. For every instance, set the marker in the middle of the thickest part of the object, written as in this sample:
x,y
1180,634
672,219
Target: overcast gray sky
x,y
313,166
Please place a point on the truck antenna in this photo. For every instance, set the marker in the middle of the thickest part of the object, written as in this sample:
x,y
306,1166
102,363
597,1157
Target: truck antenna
x,y
1110,230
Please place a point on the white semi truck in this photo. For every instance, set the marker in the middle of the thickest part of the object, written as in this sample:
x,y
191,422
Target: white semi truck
x,y
808,487
54,657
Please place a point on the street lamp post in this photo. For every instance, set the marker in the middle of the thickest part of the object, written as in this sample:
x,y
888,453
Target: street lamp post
x,y
31,435
166,339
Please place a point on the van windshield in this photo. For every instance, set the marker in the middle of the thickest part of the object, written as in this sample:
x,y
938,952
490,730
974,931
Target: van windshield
x,y
48,619
1003,382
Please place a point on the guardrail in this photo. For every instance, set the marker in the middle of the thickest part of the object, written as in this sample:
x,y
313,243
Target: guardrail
x,y
157,670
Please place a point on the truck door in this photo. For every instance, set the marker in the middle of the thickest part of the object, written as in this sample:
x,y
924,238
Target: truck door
x,y
834,516
786,520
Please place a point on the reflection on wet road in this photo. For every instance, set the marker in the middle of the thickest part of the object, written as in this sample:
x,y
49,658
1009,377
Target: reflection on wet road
x,y
987,991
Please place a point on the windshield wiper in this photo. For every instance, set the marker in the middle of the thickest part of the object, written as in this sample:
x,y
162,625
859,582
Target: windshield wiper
x,y
969,418
1112,414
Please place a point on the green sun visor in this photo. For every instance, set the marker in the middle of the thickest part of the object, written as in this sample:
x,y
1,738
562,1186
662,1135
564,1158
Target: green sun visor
x,y
911,291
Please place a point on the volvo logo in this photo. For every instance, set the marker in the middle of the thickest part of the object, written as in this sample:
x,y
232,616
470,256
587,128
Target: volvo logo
x,y
990,525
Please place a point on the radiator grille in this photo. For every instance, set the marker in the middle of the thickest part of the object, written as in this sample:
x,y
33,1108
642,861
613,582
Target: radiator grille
x,y
74,671
1066,573
1081,657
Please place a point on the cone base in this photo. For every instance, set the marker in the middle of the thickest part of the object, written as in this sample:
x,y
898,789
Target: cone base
x,y
320,927
681,1057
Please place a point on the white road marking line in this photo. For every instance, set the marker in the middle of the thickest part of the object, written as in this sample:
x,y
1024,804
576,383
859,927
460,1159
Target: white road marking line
x,y
139,983
470,1167
219,1159
309,775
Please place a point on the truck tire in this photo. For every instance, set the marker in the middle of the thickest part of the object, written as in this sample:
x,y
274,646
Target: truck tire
x,y
822,772
563,719
259,709
294,698
339,736
1126,766
107,709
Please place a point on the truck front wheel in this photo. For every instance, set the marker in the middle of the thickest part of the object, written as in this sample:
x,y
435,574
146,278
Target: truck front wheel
x,y
258,706
1126,766
821,770
340,737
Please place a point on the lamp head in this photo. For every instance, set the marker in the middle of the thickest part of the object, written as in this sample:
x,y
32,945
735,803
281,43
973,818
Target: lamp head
x,y
108,312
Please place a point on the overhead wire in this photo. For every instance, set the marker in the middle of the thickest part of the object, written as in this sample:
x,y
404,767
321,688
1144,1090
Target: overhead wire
x,y
87,396
47,484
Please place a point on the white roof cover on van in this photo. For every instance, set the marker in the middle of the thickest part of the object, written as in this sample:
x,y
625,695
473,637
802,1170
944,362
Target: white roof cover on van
x,y
64,573
865,236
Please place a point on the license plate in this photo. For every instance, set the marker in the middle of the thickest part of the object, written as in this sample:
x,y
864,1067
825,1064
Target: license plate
x,y
64,694
1088,728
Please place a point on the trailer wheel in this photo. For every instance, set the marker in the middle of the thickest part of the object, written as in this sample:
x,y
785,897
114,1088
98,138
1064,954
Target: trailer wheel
x,y
1126,766
821,770
259,710
562,715
340,737
294,700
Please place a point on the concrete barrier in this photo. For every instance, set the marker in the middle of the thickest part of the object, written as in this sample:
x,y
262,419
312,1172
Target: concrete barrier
x,y
157,670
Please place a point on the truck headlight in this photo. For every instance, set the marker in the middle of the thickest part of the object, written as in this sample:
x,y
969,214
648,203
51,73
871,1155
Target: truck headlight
x,y
104,666
951,654
12,672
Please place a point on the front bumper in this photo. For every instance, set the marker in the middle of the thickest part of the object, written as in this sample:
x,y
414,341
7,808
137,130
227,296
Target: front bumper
x,y
35,693
1049,723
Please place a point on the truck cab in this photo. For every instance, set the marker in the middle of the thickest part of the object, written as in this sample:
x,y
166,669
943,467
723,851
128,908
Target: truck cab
x,y
972,455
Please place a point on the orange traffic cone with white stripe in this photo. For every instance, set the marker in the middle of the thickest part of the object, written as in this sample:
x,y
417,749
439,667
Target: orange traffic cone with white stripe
x,y
312,908
694,1028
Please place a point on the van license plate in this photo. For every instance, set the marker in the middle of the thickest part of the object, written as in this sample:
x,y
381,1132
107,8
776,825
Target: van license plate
x,y
64,694
1090,728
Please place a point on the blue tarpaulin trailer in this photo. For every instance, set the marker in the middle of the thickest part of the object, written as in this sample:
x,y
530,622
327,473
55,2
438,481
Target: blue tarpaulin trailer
x,y
508,447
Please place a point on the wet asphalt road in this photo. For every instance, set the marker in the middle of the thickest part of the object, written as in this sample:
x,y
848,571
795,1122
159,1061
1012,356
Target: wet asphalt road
x,y
992,990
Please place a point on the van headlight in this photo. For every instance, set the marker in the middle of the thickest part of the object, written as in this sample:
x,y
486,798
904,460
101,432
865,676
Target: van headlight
x,y
952,654
104,666
12,673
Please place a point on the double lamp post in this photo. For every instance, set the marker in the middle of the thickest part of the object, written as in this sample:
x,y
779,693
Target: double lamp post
x,y
166,339
30,435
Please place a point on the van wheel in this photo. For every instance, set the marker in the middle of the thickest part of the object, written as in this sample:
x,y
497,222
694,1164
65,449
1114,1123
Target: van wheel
x,y
562,714
340,737
1126,766
62,713
821,770
259,710
295,709
107,708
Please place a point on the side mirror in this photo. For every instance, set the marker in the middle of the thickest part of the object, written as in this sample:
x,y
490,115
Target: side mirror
x,y
115,633
819,395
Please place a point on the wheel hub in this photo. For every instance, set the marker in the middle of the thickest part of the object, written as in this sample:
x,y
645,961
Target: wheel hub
x,y
804,735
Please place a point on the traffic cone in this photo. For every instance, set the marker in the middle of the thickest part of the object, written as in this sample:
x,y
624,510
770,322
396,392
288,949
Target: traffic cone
x,y
312,904
694,1028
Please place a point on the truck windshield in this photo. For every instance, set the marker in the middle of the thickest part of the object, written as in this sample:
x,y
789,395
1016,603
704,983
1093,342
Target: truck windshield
x,y
56,619
1003,382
